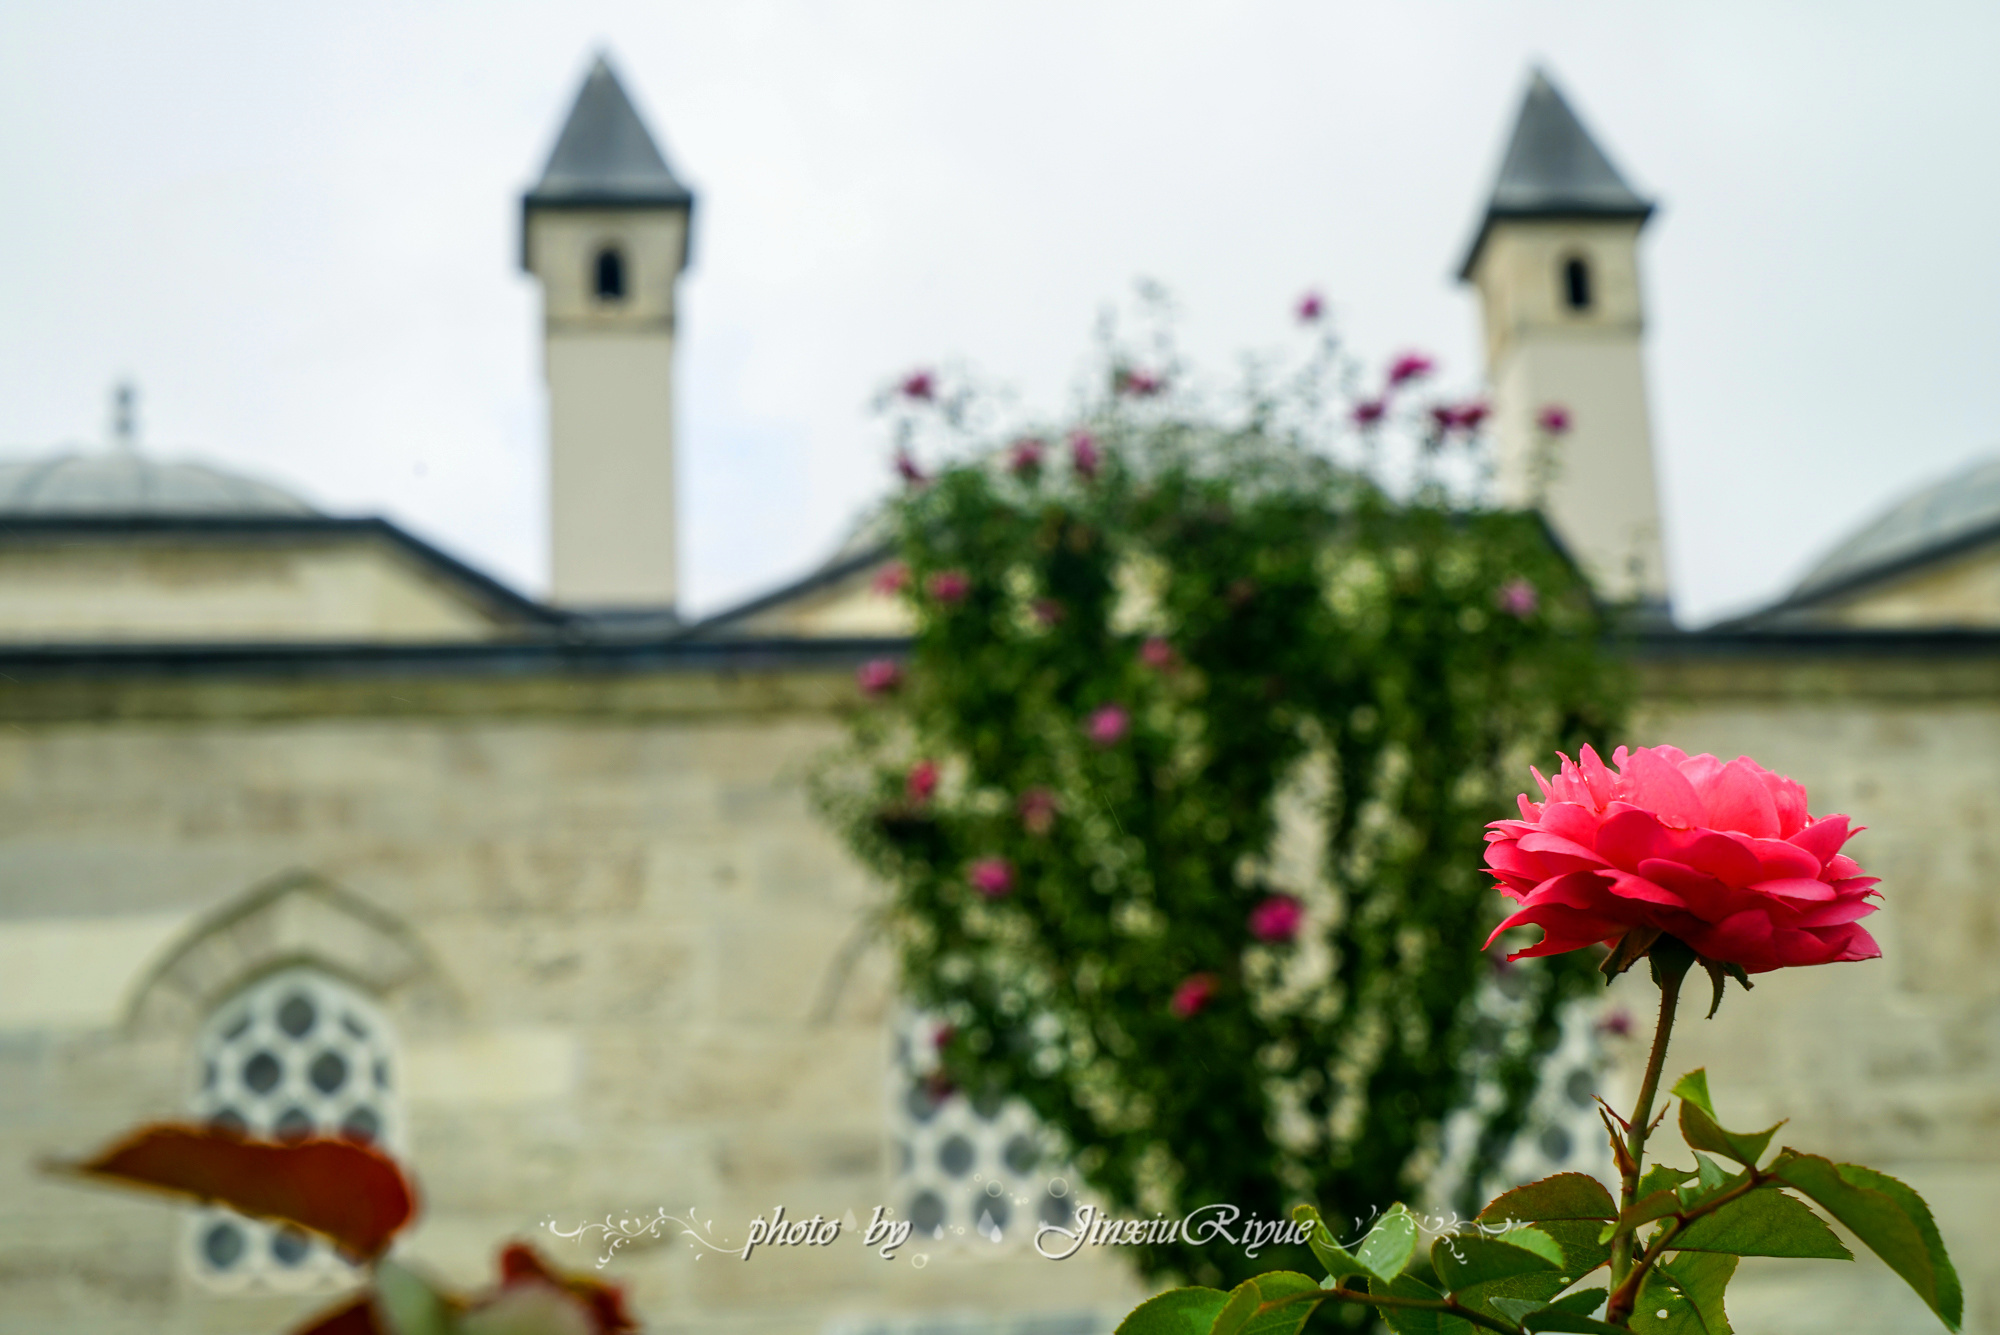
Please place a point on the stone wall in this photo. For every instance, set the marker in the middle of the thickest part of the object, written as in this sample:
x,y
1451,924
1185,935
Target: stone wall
x,y
607,926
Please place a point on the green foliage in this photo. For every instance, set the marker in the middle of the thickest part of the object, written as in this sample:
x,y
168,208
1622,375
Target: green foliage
x,y
1272,631
1889,1217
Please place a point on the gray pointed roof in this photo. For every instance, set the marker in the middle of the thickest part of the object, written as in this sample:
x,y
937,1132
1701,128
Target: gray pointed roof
x,y
1939,520
126,483
605,157
1554,169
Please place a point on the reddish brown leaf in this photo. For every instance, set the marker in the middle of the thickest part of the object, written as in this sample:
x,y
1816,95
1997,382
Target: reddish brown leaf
x,y
354,1318
349,1193
522,1264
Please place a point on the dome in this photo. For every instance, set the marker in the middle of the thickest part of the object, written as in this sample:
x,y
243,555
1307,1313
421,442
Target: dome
x,y
1956,507
126,483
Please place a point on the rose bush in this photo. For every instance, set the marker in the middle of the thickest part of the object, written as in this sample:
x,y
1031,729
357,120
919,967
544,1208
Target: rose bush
x,y
1723,856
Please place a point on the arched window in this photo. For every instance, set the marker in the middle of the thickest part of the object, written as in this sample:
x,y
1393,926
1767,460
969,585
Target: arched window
x,y
970,1170
295,1054
1576,283
609,275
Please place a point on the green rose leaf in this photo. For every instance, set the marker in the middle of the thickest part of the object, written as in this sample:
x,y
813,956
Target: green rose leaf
x,y
1685,1301
1416,1321
1339,1263
1176,1312
1642,1212
411,1306
1569,1207
1389,1245
1662,1178
1243,1314
1571,1312
1884,1213
1766,1222
1701,1131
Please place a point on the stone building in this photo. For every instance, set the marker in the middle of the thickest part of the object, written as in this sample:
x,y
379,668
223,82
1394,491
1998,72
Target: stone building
x,y
308,825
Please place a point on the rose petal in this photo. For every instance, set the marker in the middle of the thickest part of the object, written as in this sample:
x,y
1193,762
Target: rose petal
x,y
1559,854
1789,799
1834,913
1654,782
1602,782
1638,887
1824,837
1727,860
1795,887
1737,800
1779,860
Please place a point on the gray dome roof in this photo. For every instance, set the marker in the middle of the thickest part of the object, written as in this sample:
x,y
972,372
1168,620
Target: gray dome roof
x,y
123,482
1945,512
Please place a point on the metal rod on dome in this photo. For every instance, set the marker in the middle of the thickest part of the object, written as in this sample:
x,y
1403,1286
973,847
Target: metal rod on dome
x,y
125,415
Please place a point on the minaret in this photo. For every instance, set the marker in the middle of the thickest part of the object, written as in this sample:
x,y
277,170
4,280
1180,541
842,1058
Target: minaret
x,y
606,232
1557,268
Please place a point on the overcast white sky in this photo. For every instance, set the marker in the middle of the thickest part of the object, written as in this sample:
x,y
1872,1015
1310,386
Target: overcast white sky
x,y
295,226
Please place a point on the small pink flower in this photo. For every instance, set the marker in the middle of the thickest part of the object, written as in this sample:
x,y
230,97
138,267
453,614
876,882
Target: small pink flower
x,y
1369,411
1107,726
992,877
878,677
921,785
1194,993
1553,419
1470,415
948,586
1084,455
1038,810
1158,655
1138,384
1277,919
1047,611
942,1036
919,385
1026,458
1518,597
906,468
892,579
1310,308
1617,1022
1410,366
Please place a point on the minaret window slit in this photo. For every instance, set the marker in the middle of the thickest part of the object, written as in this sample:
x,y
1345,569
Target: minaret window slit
x,y
1576,283
610,275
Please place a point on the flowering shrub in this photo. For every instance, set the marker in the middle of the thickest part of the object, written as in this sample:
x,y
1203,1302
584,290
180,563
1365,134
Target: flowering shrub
x,y
1737,840
1249,619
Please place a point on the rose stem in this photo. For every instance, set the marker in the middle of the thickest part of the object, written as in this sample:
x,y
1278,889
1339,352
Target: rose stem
x,y
1635,1138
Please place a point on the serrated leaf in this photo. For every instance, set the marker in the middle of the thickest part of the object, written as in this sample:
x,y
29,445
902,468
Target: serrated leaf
x,y
1408,1321
1535,1287
1236,1313
1461,1262
1554,1319
1892,1219
1513,1309
1662,1178
1567,1207
1339,1262
1701,1278
1389,1245
1701,1132
1693,1088
1642,1212
1189,1311
1766,1222
1286,1320
1663,1309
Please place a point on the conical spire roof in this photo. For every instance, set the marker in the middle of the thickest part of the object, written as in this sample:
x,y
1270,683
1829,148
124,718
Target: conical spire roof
x,y
1554,169
604,156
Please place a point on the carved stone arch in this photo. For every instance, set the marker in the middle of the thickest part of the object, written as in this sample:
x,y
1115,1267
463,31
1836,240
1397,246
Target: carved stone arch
x,y
295,918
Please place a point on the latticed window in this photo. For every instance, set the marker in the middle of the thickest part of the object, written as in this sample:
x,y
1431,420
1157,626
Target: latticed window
x,y
295,1054
969,1169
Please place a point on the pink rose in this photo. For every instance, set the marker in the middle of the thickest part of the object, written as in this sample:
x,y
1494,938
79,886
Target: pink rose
x,y
921,785
919,385
906,468
991,877
892,578
1083,454
1193,994
949,586
1722,856
1107,726
1158,655
1519,598
1470,415
1047,611
1410,366
1038,811
878,677
1553,419
1369,411
1617,1023
1310,308
1277,919
1026,458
